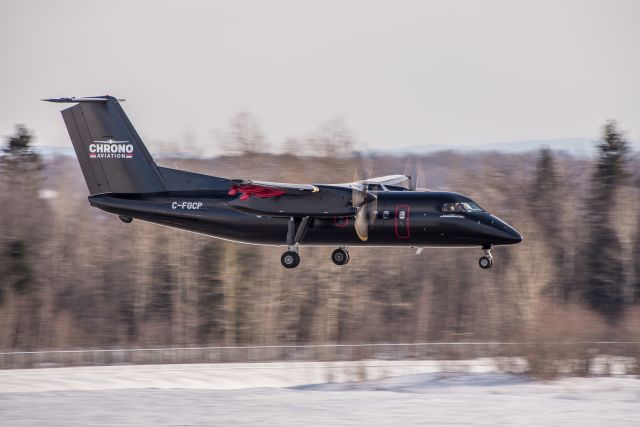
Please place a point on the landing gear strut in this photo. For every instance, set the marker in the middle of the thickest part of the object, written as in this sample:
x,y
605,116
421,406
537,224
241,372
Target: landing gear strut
x,y
486,261
291,259
340,256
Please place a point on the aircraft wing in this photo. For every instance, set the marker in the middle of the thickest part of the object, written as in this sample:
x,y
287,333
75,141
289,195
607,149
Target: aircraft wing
x,y
287,200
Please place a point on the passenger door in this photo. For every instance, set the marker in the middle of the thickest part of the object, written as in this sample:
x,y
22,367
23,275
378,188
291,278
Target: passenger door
x,y
402,221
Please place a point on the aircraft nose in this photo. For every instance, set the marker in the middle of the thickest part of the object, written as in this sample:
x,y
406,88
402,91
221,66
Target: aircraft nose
x,y
515,236
506,233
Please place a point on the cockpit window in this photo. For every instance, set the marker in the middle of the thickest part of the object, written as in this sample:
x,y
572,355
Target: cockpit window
x,y
461,207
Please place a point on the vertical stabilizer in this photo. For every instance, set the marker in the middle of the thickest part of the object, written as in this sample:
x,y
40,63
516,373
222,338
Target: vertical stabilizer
x,y
111,154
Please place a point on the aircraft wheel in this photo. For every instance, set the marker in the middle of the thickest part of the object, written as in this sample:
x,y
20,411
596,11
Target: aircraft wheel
x,y
290,259
485,262
340,256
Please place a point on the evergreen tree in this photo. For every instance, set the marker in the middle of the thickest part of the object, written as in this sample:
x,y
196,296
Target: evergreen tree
x,y
20,168
636,260
635,256
544,187
546,208
20,163
604,267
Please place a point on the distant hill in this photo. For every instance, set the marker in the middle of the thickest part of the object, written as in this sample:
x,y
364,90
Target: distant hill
x,y
580,147
49,151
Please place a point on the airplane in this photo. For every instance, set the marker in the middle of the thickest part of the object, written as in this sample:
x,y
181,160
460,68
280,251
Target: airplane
x,y
124,180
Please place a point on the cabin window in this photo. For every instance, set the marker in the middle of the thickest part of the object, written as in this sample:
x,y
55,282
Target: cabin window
x,y
385,214
402,215
461,207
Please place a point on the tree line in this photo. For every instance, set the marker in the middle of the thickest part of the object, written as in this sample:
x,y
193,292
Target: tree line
x,y
72,276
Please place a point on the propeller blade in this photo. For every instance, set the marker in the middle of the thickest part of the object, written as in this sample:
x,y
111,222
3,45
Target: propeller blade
x,y
420,180
357,197
365,202
372,209
362,224
410,171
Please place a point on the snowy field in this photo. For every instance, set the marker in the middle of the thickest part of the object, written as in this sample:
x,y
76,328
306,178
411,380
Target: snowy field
x,y
368,393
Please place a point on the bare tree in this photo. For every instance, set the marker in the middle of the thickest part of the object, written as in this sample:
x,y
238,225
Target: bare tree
x,y
333,139
244,135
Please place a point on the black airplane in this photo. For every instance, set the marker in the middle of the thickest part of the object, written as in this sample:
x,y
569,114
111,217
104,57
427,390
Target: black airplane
x,y
124,180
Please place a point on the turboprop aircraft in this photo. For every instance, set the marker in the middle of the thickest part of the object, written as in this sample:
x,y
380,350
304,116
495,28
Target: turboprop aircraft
x,y
124,180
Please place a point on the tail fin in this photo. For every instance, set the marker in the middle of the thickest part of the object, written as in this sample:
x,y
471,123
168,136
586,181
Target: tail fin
x,y
111,154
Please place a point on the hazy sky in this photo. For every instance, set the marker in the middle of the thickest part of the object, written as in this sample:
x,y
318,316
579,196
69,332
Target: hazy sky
x,y
400,73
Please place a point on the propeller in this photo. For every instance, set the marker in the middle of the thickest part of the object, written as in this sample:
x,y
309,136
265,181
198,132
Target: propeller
x,y
366,203
414,170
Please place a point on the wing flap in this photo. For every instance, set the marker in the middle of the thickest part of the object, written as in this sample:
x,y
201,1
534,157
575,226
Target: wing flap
x,y
263,189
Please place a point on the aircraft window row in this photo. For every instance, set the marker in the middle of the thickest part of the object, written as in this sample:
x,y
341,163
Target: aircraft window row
x,y
384,214
461,207
387,214
395,188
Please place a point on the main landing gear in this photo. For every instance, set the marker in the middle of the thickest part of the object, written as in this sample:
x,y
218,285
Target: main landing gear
x,y
340,256
291,259
295,234
486,261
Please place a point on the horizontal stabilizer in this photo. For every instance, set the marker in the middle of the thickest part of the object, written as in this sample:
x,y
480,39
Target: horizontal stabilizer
x,y
84,99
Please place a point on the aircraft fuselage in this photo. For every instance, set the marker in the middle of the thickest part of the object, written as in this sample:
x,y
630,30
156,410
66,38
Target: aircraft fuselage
x,y
403,218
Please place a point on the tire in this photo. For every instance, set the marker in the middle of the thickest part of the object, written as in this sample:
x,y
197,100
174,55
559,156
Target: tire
x,y
290,259
485,262
340,256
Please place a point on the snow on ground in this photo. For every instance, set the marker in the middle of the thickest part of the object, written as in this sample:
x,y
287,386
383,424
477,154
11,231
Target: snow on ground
x,y
369,393
223,376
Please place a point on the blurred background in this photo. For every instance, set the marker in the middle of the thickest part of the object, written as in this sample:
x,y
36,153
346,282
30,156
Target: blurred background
x,y
530,108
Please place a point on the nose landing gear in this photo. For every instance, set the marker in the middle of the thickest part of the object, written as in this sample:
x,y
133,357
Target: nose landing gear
x,y
486,261
340,256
